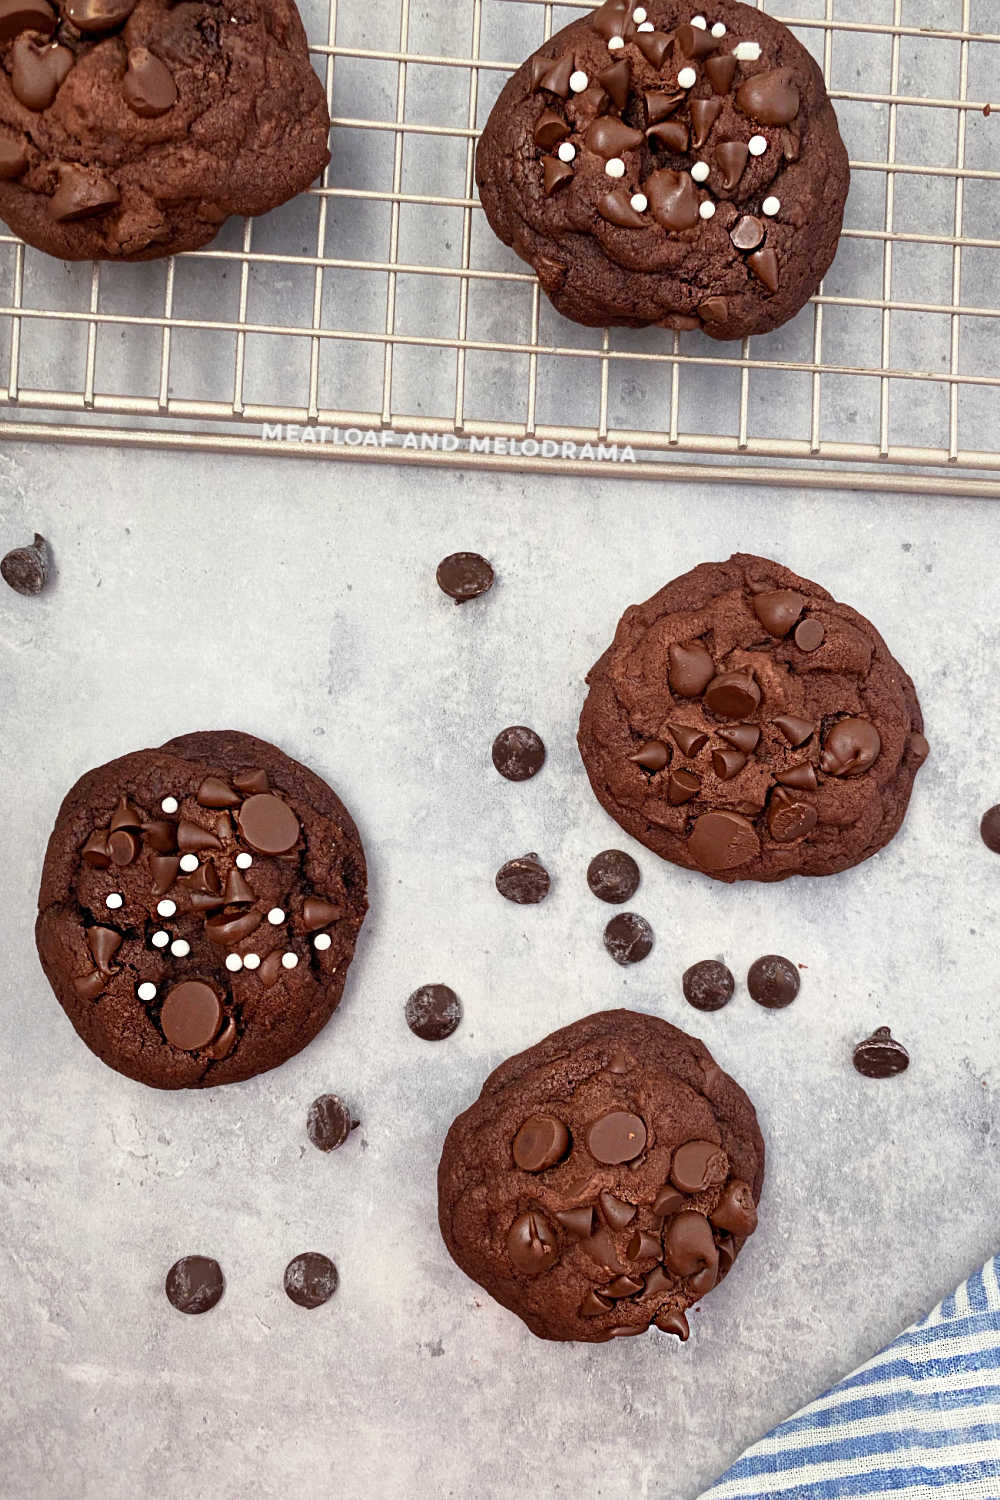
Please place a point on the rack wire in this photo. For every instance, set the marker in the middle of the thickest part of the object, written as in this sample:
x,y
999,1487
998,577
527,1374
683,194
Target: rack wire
x,y
377,317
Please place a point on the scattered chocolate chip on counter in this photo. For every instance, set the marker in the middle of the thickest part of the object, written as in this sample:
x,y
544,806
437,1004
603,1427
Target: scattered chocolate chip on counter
x,y
524,880
464,575
433,1012
518,753
26,569
195,1284
708,985
311,1279
773,981
628,938
613,876
880,1055
329,1122
989,828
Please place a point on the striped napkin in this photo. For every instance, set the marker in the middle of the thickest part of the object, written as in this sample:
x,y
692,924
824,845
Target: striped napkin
x,y
920,1421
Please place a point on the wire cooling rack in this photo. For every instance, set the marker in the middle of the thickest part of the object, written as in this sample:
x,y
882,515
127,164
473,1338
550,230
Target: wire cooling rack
x,y
377,316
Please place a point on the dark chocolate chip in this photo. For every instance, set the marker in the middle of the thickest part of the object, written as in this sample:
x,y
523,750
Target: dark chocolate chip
x,y
466,575
652,756
688,740
617,1213
880,1055
216,793
628,938
773,981
989,828
708,985
311,1279
644,1245
317,913
743,737
764,265
770,97
623,1286
668,1201
195,1284
518,753
795,730
26,569
329,1122
704,113
433,1012
616,1137
524,880
731,158
554,174
728,763
613,876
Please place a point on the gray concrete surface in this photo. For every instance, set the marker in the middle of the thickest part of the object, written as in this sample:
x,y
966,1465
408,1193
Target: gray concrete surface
x,y
298,601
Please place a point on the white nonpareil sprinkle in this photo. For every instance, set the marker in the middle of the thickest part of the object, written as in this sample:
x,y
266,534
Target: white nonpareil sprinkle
x,y
718,29
169,805
757,145
189,862
638,14
615,43
646,26
566,151
322,941
746,51
289,960
251,961
234,963
146,991
700,22
180,947
700,171
160,939
244,861
707,209
615,167
166,908
687,78
770,206
639,202
114,901
578,81
276,916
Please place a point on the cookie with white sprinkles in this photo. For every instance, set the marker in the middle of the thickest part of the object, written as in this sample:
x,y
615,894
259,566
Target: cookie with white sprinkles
x,y
658,165
199,908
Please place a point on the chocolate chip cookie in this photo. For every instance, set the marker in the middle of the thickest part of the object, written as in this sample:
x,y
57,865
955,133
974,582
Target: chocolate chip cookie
x,y
745,724
199,908
604,1180
130,129
657,165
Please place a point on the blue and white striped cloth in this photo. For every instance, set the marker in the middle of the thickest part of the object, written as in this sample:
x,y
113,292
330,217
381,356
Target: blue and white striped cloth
x,y
920,1421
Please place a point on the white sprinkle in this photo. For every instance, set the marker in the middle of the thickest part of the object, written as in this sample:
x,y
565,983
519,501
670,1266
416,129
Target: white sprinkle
x,y
638,14
700,22
700,171
276,916
114,901
615,167
180,947
566,151
252,961
707,209
615,43
234,963
189,862
146,991
244,861
646,26
322,941
169,805
166,908
770,206
578,81
757,145
718,29
687,78
746,51
639,202
160,939
289,960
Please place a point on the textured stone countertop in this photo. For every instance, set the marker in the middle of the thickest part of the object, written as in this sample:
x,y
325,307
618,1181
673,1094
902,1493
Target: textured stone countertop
x,y
298,601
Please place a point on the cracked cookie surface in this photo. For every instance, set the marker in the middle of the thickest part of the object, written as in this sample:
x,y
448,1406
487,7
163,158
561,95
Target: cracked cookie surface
x,y
657,165
604,1180
131,129
199,907
745,724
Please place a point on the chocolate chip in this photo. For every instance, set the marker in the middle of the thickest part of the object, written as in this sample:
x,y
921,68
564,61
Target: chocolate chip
x,y
801,778
628,938
697,1166
616,81
125,815
230,928
773,981
25,15
691,669
524,880
13,162
224,1042
466,575
148,86
682,785
668,1201
613,876
657,1281
918,746
98,15
728,763
81,194
644,1245
541,1141
704,113
708,985
123,847
989,828
731,158
764,265
311,1279
688,1245
26,569
652,756
673,1321
193,839
743,737
789,817
532,1243
554,174
720,71
160,835
518,753
746,234
776,609
617,1213
268,824
318,913
688,739
329,1122
735,1210
215,793
594,1304
851,747
251,781
578,1222
433,1012
191,1015
880,1055
104,943
772,98
732,695
195,1284
659,105
623,1286
795,730
809,634
672,135
616,1137
95,851
723,841
38,68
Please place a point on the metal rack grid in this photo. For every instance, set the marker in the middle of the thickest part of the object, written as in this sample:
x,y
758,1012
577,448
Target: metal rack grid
x,y
381,303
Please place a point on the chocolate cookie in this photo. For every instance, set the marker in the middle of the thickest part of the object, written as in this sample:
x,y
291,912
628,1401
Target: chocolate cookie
x,y
655,165
745,724
131,129
604,1180
199,908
